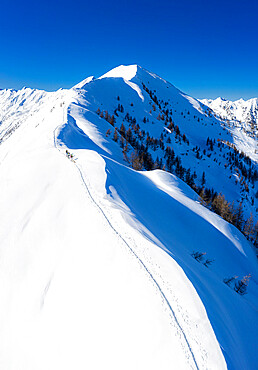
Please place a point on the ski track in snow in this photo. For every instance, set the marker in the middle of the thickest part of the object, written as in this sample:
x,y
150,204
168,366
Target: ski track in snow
x,y
156,284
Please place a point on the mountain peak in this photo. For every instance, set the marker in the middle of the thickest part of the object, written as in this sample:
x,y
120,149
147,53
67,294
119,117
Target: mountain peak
x,y
126,72
219,99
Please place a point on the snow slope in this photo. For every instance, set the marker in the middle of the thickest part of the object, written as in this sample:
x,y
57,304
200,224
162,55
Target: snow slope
x,y
96,267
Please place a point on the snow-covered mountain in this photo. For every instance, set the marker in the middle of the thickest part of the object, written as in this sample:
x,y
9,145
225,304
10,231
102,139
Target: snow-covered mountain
x,y
242,114
99,262
202,142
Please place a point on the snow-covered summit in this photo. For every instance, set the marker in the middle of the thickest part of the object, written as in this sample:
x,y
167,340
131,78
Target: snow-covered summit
x,y
122,71
133,72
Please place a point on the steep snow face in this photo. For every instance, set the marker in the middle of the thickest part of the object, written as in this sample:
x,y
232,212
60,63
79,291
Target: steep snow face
x,y
96,268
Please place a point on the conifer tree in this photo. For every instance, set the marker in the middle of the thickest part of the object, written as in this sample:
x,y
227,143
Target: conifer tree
x,y
239,214
203,179
136,161
115,137
241,285
122,129
125,150
122,142
112,120
249,226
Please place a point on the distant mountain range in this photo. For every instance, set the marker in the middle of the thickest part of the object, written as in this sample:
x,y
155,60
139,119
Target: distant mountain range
x,y
244,113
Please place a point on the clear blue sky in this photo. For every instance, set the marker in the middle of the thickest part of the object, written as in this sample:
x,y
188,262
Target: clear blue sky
x,y
205,48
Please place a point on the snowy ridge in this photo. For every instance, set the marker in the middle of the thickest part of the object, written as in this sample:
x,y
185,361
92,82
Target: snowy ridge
x,y
138,259
95,256
84,82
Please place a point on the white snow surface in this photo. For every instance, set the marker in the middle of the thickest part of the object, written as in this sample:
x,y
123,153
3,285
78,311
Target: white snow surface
x,y
95,258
